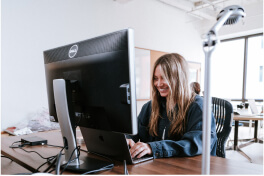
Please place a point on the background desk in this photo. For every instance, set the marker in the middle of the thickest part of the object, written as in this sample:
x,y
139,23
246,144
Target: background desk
x,y
175,165
237,118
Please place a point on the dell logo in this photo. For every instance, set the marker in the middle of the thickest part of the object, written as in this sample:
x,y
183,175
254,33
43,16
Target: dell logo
x,y
73,51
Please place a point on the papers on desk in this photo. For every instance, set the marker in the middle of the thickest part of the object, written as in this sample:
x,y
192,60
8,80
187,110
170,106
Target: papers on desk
x,y
17,132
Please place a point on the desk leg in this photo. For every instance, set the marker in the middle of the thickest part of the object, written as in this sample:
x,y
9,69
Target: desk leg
x,y
256,131
236,134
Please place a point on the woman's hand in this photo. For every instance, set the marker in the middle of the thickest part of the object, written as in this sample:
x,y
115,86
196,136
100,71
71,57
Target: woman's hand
x,y
140,149
130,142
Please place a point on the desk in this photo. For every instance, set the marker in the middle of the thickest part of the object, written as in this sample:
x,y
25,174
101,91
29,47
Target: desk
x,y
175,165
237,118
8,167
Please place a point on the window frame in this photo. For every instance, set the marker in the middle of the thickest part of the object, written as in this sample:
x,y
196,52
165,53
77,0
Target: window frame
x,y
243,99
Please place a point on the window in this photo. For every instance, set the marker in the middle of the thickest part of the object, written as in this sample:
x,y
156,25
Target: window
x,y
255,62
227,69
237,69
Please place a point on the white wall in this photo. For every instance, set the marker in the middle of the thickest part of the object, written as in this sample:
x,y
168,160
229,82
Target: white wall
x,y
29,27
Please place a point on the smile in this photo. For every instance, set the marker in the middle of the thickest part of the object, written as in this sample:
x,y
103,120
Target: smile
x,y
163,90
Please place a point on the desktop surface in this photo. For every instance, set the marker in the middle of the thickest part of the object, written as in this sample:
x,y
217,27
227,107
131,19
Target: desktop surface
x,y
174,165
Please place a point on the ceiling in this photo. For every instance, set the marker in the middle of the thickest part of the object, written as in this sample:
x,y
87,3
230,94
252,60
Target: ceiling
x,y
207,9
204,9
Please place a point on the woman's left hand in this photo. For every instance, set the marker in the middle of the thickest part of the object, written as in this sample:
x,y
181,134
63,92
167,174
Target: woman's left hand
x,y
140,149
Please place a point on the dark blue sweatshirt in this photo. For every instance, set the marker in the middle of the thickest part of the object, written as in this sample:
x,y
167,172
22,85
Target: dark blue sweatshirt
x,y
189,144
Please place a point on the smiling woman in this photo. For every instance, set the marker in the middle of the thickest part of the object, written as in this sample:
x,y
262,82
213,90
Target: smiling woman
x,y
160,83
171,124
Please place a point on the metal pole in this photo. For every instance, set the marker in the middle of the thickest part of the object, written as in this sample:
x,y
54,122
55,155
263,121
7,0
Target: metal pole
x,y
209,46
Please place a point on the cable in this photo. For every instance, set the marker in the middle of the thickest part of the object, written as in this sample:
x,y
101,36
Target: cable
x,y
6,157
78,149
54,146
102,169
58,158
36,153
57,169
48,160
66,164
15,142
18,146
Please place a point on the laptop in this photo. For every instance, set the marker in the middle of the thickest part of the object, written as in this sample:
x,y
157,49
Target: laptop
x,y
254,108
110,144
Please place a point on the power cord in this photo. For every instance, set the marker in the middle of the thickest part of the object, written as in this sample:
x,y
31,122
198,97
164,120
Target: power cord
x,y
70,160
56,158
57,169
21,145
102,169
48,161
36,153
6,157
52,163
79,149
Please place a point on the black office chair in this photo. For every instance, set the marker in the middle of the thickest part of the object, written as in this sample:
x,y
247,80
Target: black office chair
x,y
223,112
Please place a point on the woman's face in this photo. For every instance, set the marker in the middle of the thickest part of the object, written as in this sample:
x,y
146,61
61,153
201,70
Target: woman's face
x,y
160,83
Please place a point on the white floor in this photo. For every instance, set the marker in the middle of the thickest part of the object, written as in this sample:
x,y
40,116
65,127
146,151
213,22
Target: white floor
x,y
254,150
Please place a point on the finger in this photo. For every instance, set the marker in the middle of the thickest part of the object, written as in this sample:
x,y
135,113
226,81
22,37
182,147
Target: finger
x,y
136,150
130,142
143,153
134,147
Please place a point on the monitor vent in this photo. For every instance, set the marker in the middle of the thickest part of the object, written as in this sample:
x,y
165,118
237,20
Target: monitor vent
x,y
103,44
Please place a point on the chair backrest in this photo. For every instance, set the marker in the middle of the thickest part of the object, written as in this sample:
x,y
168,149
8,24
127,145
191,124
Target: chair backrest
x,y
223,112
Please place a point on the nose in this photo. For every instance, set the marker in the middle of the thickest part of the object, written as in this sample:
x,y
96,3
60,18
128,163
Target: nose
x,y
160,82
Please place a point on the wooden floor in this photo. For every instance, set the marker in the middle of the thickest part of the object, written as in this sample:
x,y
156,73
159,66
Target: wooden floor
x,y
254,150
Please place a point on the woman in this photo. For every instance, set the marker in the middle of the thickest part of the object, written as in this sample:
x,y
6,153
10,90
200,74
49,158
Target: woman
x,y
195,87
171,124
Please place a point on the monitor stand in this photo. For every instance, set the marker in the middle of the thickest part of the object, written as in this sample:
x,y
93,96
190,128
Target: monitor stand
x,y
86,164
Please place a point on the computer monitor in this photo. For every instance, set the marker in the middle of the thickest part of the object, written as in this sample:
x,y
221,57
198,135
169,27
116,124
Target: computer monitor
x,y
91,84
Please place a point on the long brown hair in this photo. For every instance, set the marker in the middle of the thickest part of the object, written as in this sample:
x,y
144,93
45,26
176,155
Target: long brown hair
x,y
175,72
